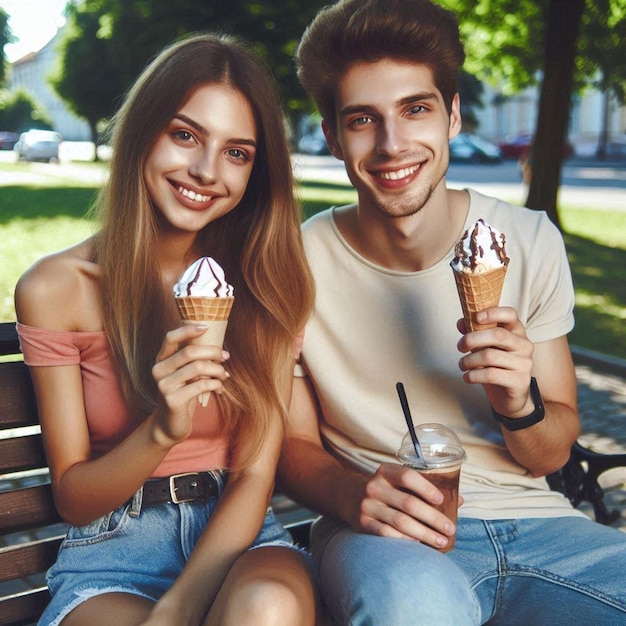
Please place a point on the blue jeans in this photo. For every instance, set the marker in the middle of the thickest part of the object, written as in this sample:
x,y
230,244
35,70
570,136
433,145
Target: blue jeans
x,y
135,549
531,572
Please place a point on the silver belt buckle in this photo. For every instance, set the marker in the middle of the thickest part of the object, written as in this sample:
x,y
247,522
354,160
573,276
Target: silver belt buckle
x,y
173,497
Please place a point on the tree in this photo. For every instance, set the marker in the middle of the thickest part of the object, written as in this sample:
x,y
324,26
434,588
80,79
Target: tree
x,y
87,79
20,112
6,36
110,42
561,33
515,43
604,25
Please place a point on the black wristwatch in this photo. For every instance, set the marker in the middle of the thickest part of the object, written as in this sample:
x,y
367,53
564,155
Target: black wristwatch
x,y
535,417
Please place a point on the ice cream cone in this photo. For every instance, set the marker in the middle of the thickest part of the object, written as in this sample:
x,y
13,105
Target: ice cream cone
x,y
210,312
478,292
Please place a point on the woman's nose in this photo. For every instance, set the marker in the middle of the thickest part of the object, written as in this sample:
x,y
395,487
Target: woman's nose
x,y
204,166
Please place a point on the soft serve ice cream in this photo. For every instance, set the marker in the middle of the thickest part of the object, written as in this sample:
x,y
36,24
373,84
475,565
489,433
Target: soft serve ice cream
x,y
203,278
203,296
481,249
479,265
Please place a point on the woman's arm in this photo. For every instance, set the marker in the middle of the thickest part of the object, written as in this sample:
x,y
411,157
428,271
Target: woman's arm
x,y
86,488
232,528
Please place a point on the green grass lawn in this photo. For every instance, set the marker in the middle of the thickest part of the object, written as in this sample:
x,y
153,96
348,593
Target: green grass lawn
x,y
40,218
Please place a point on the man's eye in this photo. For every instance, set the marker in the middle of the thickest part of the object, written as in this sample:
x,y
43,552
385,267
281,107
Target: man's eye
x,y
361,121
418,108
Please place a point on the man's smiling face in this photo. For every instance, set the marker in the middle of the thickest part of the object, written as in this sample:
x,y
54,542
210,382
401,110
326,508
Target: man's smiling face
x,y
392,133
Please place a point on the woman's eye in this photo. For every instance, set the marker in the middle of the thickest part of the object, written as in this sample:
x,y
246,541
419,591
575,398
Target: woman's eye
x,y
182,135
238,154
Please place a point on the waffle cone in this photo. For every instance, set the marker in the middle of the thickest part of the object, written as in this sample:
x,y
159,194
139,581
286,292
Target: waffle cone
x,y
197,309
478,292
210,312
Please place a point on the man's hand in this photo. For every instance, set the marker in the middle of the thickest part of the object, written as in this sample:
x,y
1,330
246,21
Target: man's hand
x,y
399,502
500,359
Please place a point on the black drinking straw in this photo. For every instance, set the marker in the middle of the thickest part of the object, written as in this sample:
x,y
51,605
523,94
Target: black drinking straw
x,y
409,422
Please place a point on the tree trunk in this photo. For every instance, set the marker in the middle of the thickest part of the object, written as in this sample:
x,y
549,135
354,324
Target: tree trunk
x,y
564,17
603,140
95,138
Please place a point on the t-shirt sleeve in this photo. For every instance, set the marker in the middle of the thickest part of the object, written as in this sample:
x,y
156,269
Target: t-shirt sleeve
x,y
551,312
42,347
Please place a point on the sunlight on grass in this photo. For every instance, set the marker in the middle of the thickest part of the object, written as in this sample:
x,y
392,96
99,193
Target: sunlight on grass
x,y
42,210
25,241
606,227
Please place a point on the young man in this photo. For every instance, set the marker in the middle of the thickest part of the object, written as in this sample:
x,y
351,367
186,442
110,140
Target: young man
x,y
383,74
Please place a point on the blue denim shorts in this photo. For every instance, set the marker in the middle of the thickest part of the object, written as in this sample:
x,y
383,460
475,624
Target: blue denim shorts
x,y
137,550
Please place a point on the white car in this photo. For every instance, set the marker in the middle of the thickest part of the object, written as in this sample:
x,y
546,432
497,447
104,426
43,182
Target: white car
x,y
38,145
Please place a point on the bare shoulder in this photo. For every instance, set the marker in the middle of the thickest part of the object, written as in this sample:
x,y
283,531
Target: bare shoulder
x,y
61,291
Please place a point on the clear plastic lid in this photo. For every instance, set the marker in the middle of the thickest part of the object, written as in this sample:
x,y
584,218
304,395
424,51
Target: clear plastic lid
x,y
440,446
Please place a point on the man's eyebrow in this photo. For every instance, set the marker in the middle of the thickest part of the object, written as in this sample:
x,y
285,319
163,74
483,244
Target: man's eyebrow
x,y
369,109
203,131
418,97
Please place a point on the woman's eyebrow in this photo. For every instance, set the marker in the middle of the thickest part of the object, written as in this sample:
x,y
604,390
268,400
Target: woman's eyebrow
x,y
203,131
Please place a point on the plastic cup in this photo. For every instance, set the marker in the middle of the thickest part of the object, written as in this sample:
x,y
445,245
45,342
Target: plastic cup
x,y
443,455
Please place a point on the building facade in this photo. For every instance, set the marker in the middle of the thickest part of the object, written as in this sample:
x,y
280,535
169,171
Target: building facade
x,y
31,73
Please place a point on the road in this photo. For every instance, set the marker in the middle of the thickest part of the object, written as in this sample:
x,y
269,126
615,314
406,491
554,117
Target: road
x,y
584,183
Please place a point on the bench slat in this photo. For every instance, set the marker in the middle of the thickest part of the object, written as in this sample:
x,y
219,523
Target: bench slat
x,y
27,508
23,608
9,343
23,453
20,560
17,400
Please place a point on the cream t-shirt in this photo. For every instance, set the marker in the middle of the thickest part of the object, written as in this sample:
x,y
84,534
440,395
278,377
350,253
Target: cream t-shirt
x,y
373,327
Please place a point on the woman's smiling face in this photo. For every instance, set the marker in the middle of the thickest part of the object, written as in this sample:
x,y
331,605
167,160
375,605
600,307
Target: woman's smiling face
x,y
200,165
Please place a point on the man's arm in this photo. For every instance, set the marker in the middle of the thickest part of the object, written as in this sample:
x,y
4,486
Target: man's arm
x,y
393,502
503,360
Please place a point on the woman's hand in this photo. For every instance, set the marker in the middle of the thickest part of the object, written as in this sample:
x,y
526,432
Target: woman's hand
x,y
183,372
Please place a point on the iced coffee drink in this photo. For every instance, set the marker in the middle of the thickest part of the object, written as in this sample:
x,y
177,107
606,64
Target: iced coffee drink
x,y
443,455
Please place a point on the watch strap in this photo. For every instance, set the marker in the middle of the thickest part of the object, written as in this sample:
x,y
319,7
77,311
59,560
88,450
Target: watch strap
x,y
519,423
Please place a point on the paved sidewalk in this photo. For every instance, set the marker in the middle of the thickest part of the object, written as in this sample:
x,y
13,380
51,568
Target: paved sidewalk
x,y
602,407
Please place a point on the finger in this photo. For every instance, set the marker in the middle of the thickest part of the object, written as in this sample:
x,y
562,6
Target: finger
x,y
177,336
429,526
188,354
519,360
502,315
187,372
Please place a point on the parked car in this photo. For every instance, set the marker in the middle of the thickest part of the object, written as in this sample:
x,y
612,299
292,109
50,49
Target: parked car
x,y
312,140
471,148
519,147
38,145
8,140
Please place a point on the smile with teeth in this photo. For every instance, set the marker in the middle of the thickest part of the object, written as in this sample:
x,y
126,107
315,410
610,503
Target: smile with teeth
x,y
398,174
192,195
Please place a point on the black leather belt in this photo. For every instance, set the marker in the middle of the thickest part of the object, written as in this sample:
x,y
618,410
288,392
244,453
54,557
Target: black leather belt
x,y
180,488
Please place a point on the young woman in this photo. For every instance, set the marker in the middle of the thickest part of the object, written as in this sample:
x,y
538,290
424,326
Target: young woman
x,y
167,499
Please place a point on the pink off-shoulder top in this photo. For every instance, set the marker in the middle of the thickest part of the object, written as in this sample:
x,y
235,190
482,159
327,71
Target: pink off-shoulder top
x,y
108,417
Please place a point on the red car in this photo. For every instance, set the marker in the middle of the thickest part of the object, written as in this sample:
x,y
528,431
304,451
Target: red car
x,y
520,146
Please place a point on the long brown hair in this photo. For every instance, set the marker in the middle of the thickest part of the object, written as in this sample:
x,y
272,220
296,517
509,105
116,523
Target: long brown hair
x,y
258,243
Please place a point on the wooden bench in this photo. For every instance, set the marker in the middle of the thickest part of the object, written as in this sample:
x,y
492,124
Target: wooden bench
x,y
31,529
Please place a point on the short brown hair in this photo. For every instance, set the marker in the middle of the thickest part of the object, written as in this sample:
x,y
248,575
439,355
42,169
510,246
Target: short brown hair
x,y
370,30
